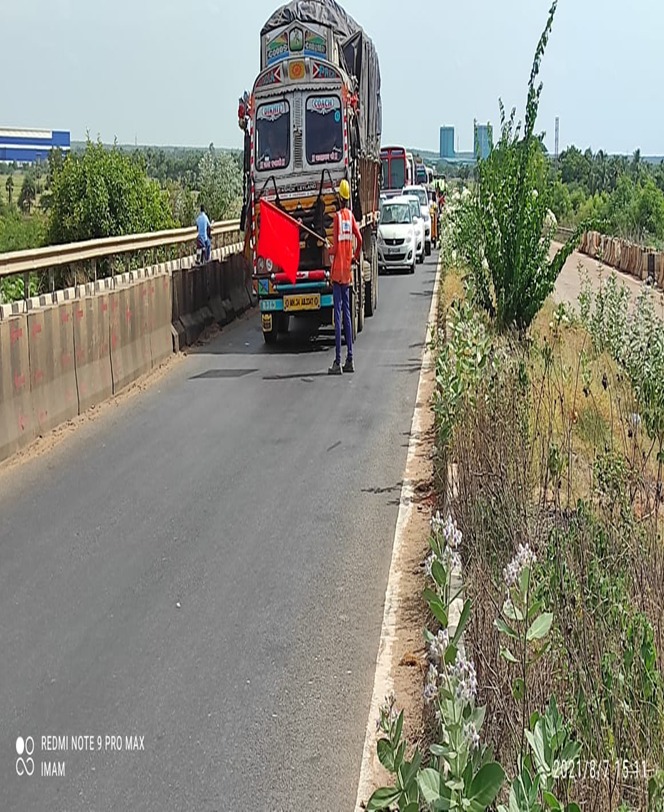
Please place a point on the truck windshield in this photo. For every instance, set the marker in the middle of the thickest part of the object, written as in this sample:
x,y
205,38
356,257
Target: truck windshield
x,y
395,213
324,130
273,136
394,172
420,194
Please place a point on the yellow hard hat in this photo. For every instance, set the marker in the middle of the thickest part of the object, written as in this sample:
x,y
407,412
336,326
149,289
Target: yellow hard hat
x,y
344,189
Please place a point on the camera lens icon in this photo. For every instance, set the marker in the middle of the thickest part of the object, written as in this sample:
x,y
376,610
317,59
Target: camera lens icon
x,y
25,747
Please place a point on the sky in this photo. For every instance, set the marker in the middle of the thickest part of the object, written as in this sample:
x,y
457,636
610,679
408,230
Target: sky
x,y
170,72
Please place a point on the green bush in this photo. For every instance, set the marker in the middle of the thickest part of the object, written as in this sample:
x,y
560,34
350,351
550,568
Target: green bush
x,y
104,193
508,218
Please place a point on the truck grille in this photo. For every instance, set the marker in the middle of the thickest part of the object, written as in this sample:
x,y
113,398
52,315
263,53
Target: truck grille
x,y
297,131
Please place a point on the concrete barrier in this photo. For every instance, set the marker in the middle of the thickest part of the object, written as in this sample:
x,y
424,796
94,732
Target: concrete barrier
x,y
94,378
17,423
52,372
159,318
63,353
238,291
130,344
627,257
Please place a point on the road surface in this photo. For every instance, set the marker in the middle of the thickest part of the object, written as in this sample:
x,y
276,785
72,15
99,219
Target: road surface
x,y
201,572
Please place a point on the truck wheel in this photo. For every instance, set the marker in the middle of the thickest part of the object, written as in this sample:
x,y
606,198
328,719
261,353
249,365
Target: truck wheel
x,y
360,306
371,287
427,248
368,299
283,323
270,337
353,313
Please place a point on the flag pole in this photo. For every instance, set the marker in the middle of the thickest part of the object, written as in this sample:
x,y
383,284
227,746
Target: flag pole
x,y
299,224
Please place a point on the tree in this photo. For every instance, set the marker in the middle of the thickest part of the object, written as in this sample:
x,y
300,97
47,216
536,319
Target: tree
x,y
9,186
104,193
561,202
574,166
220,180
506,233
28,193
56,159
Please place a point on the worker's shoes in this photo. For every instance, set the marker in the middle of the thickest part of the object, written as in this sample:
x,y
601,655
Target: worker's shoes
x,y
349,366
335,369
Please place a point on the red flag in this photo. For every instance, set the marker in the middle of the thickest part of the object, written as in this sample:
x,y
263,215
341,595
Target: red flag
x,y
279,240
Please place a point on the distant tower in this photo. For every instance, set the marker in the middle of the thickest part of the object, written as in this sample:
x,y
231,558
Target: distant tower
x,y
483,136
447,142
557,138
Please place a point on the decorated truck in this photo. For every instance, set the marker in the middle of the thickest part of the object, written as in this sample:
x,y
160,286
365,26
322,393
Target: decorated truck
x,y
312,118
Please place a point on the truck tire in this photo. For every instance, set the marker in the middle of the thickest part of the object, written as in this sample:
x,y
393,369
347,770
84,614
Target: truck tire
x,y
271,336
360,305
371,287
353,313
427,248
283,323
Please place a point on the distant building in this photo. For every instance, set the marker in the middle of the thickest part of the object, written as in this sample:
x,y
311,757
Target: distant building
x,y
31,146
447,142
483,138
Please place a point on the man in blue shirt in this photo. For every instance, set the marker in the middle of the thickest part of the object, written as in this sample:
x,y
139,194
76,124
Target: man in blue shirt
x,y
203,225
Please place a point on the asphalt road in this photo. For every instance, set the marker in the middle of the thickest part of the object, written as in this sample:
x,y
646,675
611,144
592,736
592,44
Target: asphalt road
x,y
204,566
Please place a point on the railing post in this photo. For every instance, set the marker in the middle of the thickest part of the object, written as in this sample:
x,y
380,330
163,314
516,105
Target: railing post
x,y
26,287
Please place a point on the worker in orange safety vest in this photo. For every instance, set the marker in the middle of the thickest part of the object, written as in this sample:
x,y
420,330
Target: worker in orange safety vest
x,y
342,255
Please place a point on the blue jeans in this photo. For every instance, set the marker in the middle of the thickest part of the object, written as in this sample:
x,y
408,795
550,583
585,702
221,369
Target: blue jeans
x,y
341,297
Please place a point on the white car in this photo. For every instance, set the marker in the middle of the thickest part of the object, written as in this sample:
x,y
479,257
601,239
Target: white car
x,y
418,222
397,238
423,196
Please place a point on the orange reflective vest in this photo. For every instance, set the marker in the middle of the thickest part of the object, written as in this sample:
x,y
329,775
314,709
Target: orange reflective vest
x,y
346,228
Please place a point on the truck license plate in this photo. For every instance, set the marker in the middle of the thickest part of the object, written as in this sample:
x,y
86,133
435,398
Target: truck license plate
x,y
302,301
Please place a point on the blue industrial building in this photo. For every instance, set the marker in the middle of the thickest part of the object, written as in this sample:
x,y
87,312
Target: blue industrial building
x,y
483,137
447,142
483,140
31,146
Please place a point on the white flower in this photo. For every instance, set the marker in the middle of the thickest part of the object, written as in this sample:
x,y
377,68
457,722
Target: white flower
x,y
438,645
451,560
437,523
432,684
464,672
471,735
524,558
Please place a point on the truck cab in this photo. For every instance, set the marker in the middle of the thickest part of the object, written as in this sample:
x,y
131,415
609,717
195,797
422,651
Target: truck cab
x,y
311,120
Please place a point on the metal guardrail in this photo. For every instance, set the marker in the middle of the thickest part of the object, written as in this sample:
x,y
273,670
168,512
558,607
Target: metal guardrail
x,y
55,256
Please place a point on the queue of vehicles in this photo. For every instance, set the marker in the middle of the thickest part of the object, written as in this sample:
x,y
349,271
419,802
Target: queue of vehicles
x,y
404,181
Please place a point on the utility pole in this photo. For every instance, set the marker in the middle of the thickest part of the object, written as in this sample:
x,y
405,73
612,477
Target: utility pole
x,y
557,139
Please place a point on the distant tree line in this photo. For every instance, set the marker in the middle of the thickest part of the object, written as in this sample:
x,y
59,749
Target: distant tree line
x,y
623,196
99,191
